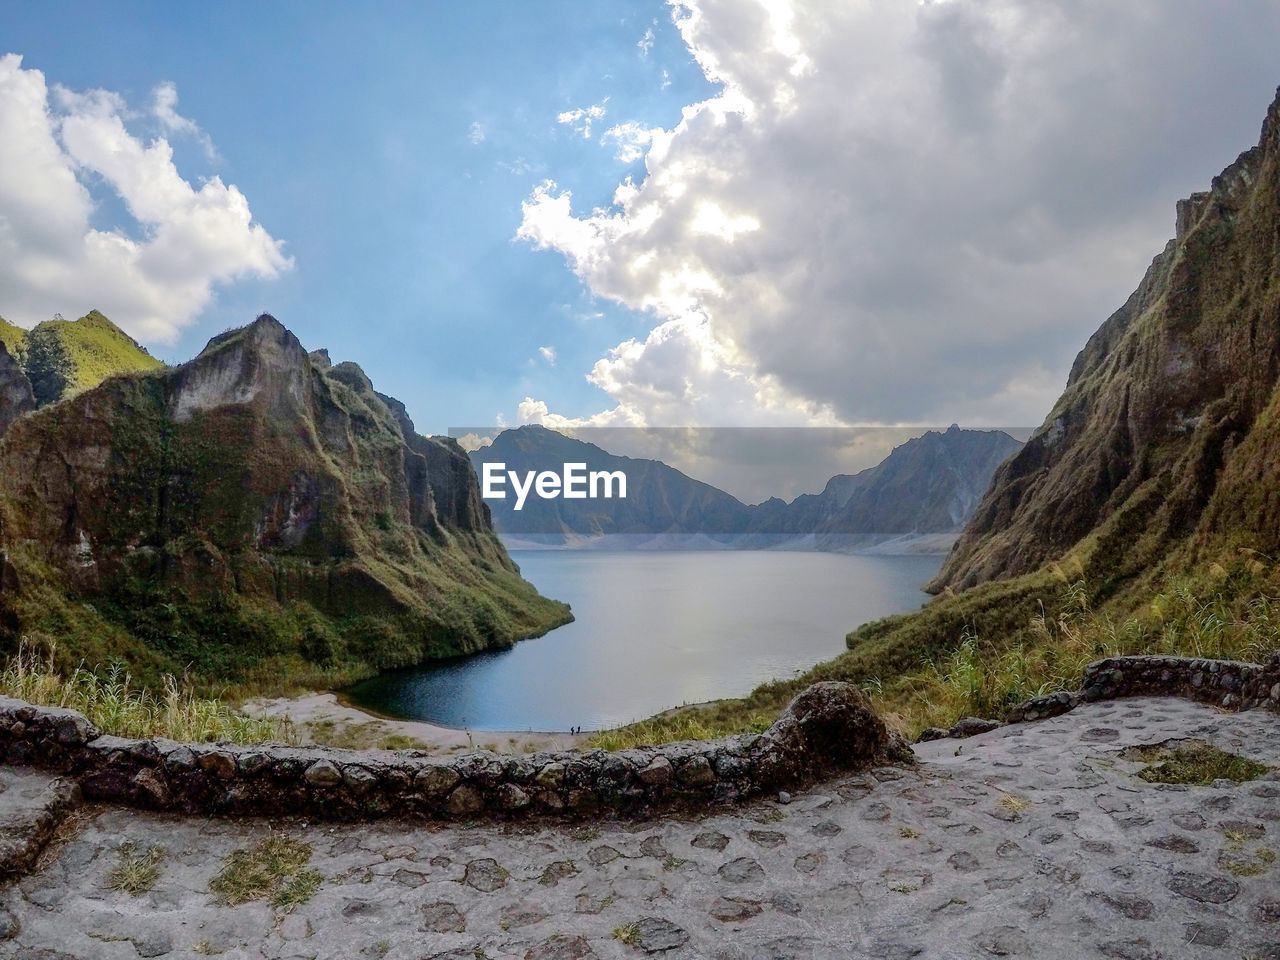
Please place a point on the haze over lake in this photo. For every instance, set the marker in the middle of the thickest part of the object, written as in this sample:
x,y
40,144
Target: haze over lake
x,y
653,631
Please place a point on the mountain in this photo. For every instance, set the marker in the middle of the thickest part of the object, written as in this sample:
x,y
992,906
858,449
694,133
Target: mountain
x,y
1164,448
98,348
660,499
258,513
928,485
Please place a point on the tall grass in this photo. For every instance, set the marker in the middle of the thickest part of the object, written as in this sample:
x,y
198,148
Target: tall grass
x,y
115,706
982,677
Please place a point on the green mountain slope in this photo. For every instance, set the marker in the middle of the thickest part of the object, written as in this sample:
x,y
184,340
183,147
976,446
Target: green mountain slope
x,y
97,346
11,336
262,518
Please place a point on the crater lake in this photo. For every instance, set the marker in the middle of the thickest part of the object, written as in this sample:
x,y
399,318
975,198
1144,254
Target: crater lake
x,y
655,630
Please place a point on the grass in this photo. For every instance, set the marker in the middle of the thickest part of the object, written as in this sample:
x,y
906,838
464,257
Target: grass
x,y
275,870
361,736
982,677
1195,763
686,725
100,349
1248,864
11,335
628,933
136,873
115,706
1014,804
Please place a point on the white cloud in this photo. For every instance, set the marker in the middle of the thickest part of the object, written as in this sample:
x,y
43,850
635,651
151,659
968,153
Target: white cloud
x,y
471,442
548,354
582,119
477,132
630,139
164,107
645,43
903,212
52,257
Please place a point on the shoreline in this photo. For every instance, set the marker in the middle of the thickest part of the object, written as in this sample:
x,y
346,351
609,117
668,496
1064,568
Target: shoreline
x,y
325,718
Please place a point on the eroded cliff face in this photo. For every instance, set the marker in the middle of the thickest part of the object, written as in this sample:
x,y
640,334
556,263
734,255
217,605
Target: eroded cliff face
x,y
15,390
1165,437
257,476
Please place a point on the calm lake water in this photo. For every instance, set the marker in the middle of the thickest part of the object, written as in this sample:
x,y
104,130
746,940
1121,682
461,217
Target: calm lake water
x,y
653,631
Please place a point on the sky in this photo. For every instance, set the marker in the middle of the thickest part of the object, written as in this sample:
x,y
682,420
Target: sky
x,y
711,212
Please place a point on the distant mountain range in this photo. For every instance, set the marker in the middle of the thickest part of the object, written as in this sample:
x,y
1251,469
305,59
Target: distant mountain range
x,y
917,498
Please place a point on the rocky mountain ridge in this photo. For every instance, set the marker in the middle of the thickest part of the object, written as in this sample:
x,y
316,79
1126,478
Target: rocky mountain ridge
x,y
929,484
251,507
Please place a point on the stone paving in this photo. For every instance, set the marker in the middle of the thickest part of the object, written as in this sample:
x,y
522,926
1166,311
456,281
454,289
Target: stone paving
x,y
1033,840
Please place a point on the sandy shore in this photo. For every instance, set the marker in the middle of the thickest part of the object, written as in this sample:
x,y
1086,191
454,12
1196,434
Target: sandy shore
x,y
324,719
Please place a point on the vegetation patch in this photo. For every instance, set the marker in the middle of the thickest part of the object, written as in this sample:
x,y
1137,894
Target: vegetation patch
x,y
137,871
116,706
1192,762
361,736
274,870
1246,864
686,725
1014,804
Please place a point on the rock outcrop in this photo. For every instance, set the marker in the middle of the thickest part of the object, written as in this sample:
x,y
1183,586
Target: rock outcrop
x,y
15,390
1165,438
274,508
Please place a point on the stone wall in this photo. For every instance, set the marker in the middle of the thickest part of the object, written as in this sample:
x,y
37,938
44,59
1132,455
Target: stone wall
x,y
1232,684
1225,683
828,728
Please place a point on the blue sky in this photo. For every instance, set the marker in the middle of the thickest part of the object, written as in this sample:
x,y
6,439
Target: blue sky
x,y
838,214
352,134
